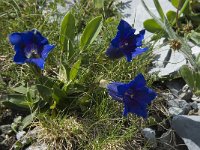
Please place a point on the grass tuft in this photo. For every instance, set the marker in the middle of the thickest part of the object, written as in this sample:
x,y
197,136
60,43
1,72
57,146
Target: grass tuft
x,y
60,133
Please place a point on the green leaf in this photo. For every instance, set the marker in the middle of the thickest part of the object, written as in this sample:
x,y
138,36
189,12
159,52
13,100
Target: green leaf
x,y
53,106
171,15
44,91
62,76
67,30
19,100
27,121
20,89
184,5
59,98
47,81
195,37
195,18
17,121
198,61
74,70
159,9
197,81
175,3
187,75
70,49
91,31
59,93
152,26
98,3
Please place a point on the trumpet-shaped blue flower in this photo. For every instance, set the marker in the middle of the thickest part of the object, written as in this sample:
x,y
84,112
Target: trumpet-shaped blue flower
x,y
30,47
126,43
135,95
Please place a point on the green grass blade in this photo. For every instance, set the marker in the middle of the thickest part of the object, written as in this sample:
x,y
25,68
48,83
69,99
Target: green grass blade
x,y
98,3
74,70
159,9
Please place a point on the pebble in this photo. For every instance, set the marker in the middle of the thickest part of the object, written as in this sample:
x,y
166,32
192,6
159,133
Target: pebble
x,y
5,129
20,134
150,135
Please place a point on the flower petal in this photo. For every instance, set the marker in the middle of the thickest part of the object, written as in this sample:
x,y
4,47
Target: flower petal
x,y
37,61
139,51
122,89
27,37
125,29
114,53
113,91
144,95
138,82
116,41
131,106
41,40
139,38
46,50
19,57
128,55
15,38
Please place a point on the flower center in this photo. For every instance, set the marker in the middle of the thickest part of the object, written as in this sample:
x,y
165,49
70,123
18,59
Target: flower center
x,y
175,44
32,54
124,44
131,95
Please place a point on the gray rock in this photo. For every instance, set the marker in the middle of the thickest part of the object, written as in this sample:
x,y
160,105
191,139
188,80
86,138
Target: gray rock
x,y
175,86
168,96
178,107
185,93
37,146
194,106
5,129
26,139
188,127
20,134
150,135
62,9
1,138
176,111
177,103
195,98
180,89
7,142
166,140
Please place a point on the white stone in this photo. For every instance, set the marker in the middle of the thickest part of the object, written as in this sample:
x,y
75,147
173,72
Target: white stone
x,y
195,50
167,61
137,13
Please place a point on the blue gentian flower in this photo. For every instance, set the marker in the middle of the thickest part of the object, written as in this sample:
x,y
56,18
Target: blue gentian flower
x,y
30,47
126,43
135,95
